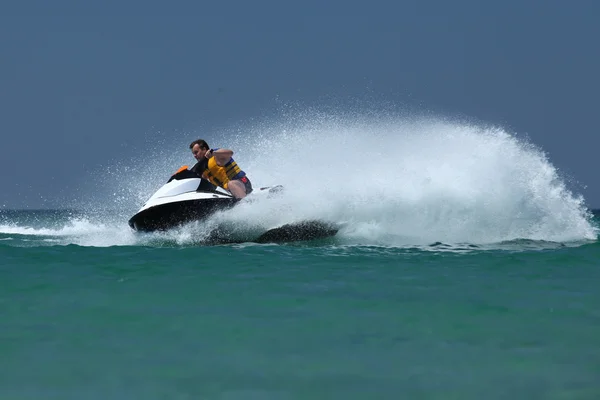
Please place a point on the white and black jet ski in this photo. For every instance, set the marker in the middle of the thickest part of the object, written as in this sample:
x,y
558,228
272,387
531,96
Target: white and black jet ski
x,y
187,198
184,198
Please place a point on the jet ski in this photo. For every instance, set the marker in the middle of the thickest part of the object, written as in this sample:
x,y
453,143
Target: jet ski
x,y
185,197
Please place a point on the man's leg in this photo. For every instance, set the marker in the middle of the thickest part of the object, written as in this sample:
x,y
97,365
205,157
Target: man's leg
x,y
237,189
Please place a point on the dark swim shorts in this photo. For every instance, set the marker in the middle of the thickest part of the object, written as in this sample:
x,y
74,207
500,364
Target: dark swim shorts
x,y
247,184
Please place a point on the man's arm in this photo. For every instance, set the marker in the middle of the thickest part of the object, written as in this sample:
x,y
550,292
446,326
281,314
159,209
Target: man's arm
x,y
222,156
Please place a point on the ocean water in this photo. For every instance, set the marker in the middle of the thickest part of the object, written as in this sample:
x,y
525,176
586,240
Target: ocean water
x,y
465,268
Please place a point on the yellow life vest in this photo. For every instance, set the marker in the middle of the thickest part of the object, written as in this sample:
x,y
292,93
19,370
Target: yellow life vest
x,y
221,176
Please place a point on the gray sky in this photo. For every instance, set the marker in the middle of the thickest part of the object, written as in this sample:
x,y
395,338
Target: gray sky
x,y
83,83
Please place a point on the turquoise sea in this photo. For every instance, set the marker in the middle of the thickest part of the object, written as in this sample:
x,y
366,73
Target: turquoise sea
x,y
168,320
466,267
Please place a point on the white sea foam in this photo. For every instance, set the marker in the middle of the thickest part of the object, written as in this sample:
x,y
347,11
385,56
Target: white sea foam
x,y
385,179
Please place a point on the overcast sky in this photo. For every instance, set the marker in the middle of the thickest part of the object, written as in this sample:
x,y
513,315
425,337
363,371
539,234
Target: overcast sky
x,y
79,81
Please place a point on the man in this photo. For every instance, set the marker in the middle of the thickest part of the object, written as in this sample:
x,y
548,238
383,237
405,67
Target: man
x,y
220,169
199,148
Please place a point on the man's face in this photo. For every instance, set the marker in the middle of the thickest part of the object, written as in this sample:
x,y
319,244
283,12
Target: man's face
x,y
198,152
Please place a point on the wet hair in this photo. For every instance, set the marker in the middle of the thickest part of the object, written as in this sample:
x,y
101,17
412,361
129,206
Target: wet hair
x,y
203,145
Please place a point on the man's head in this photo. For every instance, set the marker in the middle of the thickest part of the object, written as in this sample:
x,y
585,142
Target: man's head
x,y
199,148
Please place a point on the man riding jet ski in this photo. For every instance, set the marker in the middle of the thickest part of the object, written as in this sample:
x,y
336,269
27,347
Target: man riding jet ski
x,y
215,183
218,166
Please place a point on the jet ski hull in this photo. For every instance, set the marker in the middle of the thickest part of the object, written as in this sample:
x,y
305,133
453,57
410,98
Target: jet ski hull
x,y
184,198
171,215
